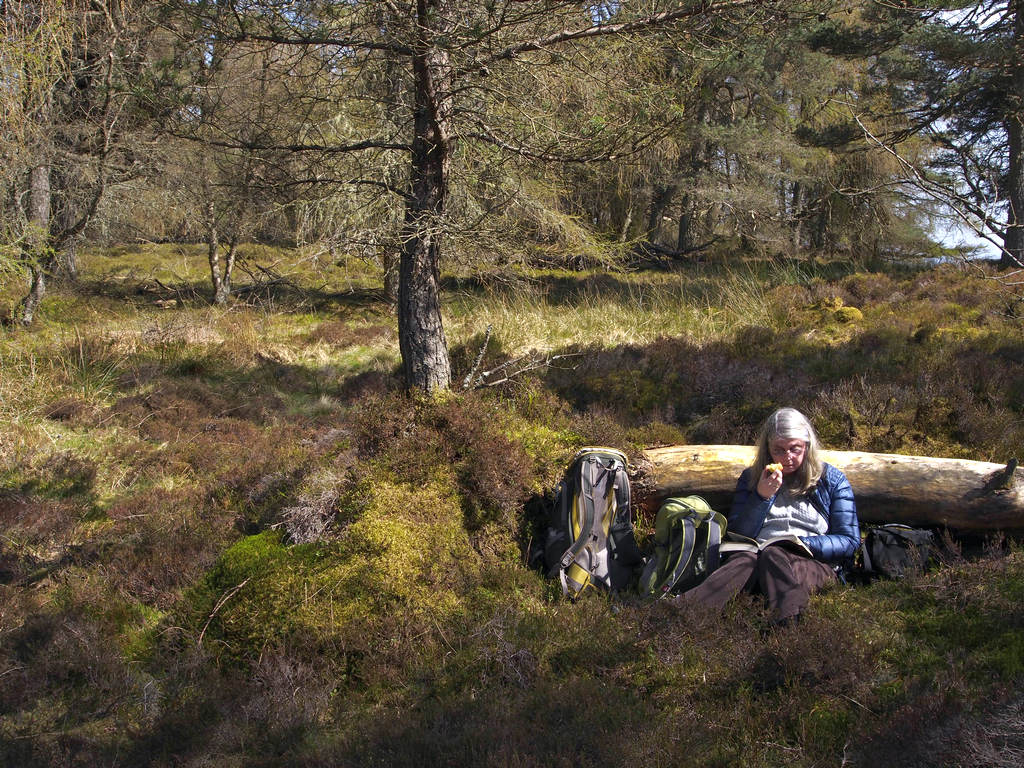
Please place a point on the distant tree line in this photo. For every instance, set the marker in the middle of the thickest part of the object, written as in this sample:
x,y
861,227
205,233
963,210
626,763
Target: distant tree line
x,y
413,133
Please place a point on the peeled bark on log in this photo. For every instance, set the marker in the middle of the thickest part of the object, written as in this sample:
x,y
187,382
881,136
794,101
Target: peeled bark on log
x,y
969,496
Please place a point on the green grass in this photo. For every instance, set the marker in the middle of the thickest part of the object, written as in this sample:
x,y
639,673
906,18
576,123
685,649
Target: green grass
x,y
161,458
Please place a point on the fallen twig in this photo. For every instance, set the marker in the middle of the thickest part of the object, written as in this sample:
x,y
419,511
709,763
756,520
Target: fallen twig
x,y
528,363
220,604
270,278
479,359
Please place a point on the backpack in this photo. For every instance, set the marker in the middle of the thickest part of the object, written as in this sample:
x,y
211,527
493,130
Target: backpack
x,y
687,535
893,550
590,540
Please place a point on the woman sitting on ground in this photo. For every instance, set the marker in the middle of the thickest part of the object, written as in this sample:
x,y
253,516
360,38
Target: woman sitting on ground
x,y
787,490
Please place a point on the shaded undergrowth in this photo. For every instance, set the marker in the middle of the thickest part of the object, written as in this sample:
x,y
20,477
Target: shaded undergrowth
x,y
228,538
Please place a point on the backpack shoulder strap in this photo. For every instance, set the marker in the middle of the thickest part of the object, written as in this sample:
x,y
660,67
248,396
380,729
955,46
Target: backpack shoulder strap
x,y
596,503
716,525
685,532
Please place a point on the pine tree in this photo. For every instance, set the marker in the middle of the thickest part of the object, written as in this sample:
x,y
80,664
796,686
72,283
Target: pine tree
x,y
959,69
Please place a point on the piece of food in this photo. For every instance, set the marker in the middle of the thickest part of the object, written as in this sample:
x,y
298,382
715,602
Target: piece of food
x,y
774,467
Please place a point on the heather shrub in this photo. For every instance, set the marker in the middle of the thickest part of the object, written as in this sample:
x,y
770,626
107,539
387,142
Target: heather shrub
x,y
367,386
420,440
952,633
72,410
341,333
656,433
868,287
381,422
602,426
492,471
63,475
161,541
673,381
288,693
69,688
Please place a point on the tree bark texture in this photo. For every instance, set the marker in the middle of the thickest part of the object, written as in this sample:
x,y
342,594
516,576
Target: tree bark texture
x,y
220,270
65,262
969,496
229,264
661,199
213,249
37,289
37,249
686,235
692,229
421,338
1013,244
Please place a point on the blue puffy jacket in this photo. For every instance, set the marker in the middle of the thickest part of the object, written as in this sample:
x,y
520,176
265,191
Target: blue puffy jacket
x,y
832,497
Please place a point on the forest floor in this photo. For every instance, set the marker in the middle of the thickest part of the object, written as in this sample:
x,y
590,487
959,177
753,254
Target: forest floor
x,y
227,537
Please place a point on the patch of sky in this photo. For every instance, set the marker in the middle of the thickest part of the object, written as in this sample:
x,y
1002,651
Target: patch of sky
x,y
603,12
954,233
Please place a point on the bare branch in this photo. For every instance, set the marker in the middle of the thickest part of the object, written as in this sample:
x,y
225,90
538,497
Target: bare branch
x,y
965,210
220,604
608,30
479,359
255,146
517,367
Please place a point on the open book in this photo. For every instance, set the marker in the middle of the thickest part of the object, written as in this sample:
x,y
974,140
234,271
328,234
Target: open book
x,y
736,543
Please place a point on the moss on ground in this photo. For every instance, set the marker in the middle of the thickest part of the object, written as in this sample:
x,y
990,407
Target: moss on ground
x,y
406,558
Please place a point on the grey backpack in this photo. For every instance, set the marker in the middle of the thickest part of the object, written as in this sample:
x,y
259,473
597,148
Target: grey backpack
x,y
590,541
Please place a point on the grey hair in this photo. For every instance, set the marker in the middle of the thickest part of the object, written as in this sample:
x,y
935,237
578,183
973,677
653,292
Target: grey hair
x,y
789,424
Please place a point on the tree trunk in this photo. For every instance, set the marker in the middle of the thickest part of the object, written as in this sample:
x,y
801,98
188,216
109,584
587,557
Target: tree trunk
x,y
229,265
661,199
63,221
392,267
1013,244
213,253
37,247
694,228
213,242
687,238
794,215
711,216
67,262
421,338
627,222
36,291
915,490
819,235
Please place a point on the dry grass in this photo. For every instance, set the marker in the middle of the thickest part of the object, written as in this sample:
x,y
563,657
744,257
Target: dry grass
x,y
557,310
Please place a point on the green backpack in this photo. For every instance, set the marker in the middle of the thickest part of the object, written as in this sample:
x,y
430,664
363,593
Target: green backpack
x,y
687,535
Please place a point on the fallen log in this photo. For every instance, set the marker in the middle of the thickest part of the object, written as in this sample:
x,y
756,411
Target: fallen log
x,y
968,496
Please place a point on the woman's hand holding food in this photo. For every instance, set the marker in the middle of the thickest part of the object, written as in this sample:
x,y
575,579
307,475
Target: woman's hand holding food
x,y
770,482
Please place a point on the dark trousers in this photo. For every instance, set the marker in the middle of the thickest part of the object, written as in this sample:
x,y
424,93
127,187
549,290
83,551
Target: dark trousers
x,y
785,578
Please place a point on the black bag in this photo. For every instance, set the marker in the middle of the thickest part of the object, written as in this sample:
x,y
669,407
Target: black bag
x,y
893,550
590,540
